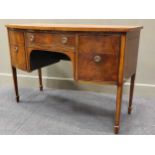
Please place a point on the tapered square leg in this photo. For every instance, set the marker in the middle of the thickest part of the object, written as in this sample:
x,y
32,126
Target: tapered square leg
x,y
14,73
118,108
40,79
131,93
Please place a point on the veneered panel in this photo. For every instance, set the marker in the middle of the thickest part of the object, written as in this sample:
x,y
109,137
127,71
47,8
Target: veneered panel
x,y
131,54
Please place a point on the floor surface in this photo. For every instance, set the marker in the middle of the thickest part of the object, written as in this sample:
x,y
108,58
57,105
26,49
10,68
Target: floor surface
x,y
71,112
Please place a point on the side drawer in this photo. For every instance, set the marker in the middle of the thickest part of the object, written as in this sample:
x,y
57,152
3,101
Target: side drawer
x,y
97,67
100,43
16,38
17,49
98,58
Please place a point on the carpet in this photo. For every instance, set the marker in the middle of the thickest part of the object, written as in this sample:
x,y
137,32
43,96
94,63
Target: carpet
x,y
71,112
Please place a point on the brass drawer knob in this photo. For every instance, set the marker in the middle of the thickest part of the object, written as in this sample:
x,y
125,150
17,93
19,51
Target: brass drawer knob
x,y
16,49
64,40
97,58
32,38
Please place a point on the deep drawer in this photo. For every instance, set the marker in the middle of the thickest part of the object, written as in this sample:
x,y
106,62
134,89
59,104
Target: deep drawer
x,y
98,57
17,49
97,67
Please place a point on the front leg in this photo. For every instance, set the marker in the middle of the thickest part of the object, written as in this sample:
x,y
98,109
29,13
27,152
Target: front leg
x,y
120,83
118,108
40,79
14,74
131,93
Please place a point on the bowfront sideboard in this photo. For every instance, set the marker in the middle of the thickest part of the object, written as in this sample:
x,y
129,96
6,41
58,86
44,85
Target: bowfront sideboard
x,y
99,53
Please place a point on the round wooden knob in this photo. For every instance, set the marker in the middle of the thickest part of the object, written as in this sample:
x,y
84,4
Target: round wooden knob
x,y
64,40
16,49
97,59
32,38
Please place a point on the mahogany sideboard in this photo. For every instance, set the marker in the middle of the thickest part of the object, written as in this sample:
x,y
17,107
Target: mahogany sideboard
x,y
99,53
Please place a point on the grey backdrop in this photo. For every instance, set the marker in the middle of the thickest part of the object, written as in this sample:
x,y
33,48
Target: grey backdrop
x,y
59,75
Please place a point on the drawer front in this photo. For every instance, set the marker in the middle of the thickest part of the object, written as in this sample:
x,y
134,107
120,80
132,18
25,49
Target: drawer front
x,y
17,49
50,39
18,57
16,38
98,58
99,43
97,67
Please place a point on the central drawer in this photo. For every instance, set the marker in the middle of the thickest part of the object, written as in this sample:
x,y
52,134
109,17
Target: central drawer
x,y
63,40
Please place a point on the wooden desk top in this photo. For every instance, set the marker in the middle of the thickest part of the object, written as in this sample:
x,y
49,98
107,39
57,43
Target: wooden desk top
x,y
76,27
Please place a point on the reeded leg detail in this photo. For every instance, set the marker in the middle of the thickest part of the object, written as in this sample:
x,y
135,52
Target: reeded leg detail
x,y
118,108
40,79
131,93
14,73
